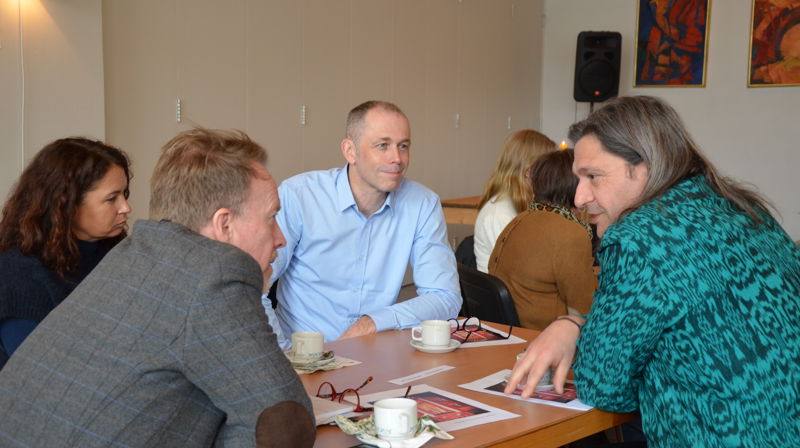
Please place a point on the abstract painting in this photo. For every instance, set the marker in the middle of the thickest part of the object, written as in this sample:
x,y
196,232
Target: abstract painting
x,y
775,43
672,38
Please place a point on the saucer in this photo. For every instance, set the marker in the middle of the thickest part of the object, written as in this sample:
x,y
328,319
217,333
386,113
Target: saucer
x,y
435,349
325,359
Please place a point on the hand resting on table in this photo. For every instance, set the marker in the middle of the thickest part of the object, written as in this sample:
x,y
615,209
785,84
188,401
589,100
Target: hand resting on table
x,y
554,348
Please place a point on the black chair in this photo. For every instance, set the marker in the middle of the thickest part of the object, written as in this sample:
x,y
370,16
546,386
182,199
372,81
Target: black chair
x,y
465,252
486,297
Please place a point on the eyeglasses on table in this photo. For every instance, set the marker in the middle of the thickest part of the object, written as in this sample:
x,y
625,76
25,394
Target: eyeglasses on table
x,y
472,327
327,390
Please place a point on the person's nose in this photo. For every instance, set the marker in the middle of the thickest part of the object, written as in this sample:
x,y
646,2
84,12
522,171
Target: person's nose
x,y
394,154
125,208
583,194
279,240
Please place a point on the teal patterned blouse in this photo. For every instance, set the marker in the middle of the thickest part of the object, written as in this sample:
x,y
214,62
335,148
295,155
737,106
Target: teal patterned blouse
x,y
696,323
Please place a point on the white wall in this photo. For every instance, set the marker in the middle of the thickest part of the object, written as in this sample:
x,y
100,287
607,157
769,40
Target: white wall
x,y
251,64
10,97
751,134
63,78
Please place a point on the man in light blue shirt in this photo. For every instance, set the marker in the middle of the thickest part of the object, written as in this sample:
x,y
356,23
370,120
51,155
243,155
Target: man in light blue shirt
x,y
350,233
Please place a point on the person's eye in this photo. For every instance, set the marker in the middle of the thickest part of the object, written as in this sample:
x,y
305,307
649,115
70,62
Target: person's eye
x,y
404,146
383,145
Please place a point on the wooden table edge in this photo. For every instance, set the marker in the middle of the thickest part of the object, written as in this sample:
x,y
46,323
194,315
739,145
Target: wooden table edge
x,y
566,430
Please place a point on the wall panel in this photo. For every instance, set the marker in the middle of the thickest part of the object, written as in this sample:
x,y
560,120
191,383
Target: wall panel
x,y
253,64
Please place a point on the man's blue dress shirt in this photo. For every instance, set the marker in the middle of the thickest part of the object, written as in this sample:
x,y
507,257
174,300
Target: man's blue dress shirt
x,y
339,265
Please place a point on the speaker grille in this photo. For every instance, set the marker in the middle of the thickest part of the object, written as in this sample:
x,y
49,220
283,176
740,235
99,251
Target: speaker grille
x,y
597,66
597,79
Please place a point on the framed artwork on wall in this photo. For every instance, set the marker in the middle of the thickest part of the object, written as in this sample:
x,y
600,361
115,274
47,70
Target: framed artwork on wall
x,y
775,43
671,43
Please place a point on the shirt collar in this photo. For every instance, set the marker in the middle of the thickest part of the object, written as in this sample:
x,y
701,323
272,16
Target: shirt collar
x,y
345,198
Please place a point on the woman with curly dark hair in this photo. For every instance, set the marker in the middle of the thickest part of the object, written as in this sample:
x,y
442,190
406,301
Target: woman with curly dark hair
x,y
68,209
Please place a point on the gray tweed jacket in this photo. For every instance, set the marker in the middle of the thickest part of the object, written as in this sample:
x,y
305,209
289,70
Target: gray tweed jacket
x,y
165,343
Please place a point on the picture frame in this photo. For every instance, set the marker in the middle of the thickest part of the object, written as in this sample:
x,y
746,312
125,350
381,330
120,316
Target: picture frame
x,y
671,43
774,44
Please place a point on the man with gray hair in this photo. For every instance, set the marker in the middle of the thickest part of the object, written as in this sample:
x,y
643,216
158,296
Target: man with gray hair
x,y
352,231
165,342
694,322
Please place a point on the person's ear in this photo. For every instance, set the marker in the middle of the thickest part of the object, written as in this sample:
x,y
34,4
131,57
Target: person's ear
x,y
349,150
638,172
219,227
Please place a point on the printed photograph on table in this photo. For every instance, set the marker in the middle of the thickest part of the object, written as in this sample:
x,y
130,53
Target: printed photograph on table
x,y
482,335
775,44
450,411
672,43
472,329
495,383
442,409
569,394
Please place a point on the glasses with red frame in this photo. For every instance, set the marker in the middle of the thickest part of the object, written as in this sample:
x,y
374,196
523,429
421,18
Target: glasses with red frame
x,y
327,390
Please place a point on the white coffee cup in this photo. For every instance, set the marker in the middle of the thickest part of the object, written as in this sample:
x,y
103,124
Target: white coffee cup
x,y
395,418
306,346
434,333
546,383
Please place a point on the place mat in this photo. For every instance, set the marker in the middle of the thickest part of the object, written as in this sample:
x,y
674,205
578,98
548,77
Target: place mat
x,y
364,430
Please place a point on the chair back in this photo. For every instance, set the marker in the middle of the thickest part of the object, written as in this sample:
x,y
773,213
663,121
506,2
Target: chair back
x,y
465,252
486,297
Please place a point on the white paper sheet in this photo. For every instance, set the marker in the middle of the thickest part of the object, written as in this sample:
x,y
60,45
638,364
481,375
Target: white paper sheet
x,y
567,400
419,375
450,411
325,409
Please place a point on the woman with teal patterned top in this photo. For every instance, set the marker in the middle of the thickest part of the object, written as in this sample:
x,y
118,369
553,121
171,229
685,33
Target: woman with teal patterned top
x,y
694,322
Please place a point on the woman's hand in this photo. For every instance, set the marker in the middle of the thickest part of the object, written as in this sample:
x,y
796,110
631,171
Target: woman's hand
x,y
553,349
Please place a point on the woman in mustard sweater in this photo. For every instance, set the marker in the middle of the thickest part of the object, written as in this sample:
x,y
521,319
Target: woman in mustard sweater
x,y
544,255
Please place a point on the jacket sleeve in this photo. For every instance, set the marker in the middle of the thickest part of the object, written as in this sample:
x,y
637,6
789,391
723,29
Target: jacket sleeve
x,y
627,319
231,353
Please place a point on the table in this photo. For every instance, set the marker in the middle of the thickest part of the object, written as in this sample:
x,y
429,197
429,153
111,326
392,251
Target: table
x,y
461,210
388,355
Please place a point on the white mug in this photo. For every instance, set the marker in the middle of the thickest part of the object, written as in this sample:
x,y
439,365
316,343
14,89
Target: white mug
x,y
306,346
395,418
546,383
435,333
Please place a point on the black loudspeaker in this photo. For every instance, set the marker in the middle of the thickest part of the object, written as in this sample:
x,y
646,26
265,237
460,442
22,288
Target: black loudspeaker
x,y
597,66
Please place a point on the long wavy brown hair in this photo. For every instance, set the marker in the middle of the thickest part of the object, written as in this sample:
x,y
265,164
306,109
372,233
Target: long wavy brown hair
x,y
509,178
38,214
645,129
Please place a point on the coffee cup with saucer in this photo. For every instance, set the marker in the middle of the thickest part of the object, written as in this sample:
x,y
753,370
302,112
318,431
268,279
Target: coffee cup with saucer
x,y
395,418
433,336
306,347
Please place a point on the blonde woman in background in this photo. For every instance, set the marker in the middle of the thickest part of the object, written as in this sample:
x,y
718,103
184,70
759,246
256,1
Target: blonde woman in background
x,y
508,191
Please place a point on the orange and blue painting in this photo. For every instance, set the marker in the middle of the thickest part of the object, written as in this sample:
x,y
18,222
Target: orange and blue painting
x,y
672,38
775,43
